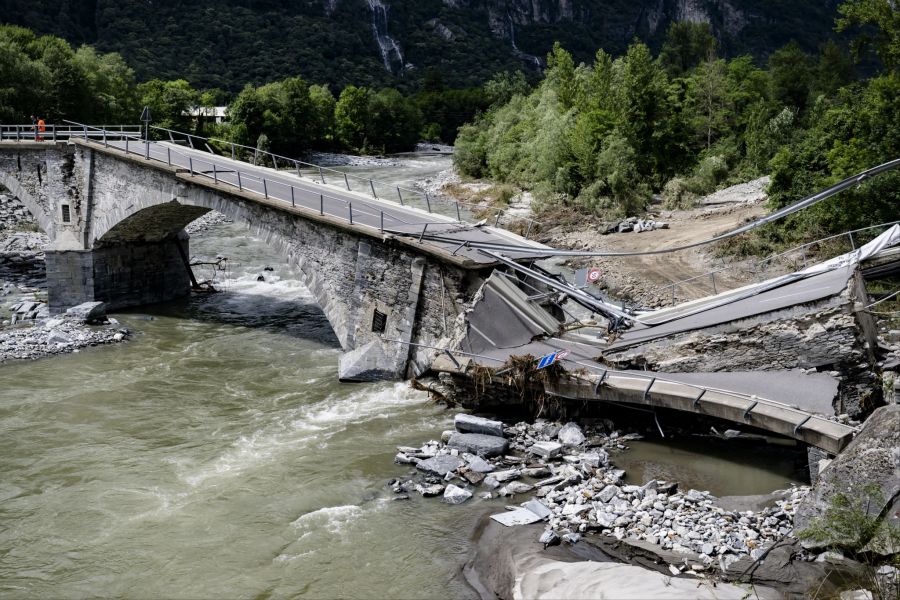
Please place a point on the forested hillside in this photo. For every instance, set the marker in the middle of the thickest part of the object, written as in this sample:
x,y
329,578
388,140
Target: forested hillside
x,y
228,43
602,138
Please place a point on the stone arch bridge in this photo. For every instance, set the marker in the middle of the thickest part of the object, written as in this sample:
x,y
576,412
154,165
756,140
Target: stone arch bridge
x,y
116,219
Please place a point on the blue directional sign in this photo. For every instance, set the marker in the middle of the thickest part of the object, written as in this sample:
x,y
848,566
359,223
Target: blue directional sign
x,y
549,359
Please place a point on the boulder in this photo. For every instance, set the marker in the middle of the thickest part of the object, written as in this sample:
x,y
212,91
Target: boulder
x,y
871,461
480,444
571,435
440,465
456,495
87,312
471,424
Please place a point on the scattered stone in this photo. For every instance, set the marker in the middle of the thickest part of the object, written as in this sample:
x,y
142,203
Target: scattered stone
x,y
515,487
429,491
571,435
477,464
440,465
549,538
456,495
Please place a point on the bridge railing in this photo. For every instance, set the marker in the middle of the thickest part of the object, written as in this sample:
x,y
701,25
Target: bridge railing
x,y
460,211
54,132
789,260
269,188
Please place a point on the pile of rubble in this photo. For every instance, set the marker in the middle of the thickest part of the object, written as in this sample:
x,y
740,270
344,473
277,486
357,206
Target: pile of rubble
x,y
577,490
635,224
81,326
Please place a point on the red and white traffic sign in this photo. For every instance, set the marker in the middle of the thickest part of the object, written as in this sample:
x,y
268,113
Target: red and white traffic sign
x,y
593,275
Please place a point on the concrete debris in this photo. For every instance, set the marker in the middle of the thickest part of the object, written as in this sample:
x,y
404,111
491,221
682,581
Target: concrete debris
x,y
87,312
440,465
577,491
471,424
480,444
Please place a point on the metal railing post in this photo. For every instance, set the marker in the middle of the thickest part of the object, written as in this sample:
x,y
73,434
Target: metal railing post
x,y
105,141
347,182
372,187
292,196
240,186
232,150
191,165
126,144
497,221
422,235
381,227
400,195
147,149
275,162
297,166
350,209
169,156
53,129
215,174
427,202
712,278
265,188
321,175
321,204
458,215
527,231
852,241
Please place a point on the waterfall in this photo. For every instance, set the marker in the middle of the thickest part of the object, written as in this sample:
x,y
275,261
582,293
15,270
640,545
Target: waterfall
x,y
390,50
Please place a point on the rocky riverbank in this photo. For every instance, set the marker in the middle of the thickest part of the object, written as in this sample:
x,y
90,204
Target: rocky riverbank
x,y
578,490
563,477
27,330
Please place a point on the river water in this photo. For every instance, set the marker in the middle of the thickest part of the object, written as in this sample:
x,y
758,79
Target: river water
x,y
217,455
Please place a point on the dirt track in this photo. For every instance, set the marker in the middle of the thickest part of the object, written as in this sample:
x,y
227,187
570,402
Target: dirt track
x,y
640,278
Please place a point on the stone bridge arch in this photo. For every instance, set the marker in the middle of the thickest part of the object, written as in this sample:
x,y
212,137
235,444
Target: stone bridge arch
x,y
120,238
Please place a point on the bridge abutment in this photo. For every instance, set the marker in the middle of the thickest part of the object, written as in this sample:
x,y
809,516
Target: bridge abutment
x,y
121,275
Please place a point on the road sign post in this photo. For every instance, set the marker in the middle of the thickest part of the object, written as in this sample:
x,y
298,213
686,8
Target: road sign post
x,y
145,118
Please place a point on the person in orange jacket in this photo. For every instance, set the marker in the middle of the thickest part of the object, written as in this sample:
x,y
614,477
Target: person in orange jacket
x,y
42,127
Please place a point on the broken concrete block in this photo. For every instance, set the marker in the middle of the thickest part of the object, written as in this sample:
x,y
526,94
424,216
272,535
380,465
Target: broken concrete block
x,y
546,449
471,424
480,444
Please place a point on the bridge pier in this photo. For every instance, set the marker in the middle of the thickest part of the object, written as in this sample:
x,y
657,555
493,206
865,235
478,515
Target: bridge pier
x,y
120,275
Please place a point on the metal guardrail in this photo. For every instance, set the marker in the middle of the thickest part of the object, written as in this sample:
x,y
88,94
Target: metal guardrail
x,y
760,266
55,133
135,144
378,189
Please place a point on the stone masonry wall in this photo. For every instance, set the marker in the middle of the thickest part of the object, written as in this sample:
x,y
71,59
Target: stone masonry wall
x,y
352,272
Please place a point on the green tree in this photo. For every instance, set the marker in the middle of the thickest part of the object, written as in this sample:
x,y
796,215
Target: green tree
x,y
878,22
170,102
351,116
393,122
687,44
560,75
322,123
790,74
707,99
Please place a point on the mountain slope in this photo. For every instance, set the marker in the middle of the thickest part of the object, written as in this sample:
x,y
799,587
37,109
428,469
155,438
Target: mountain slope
x,y
227,43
